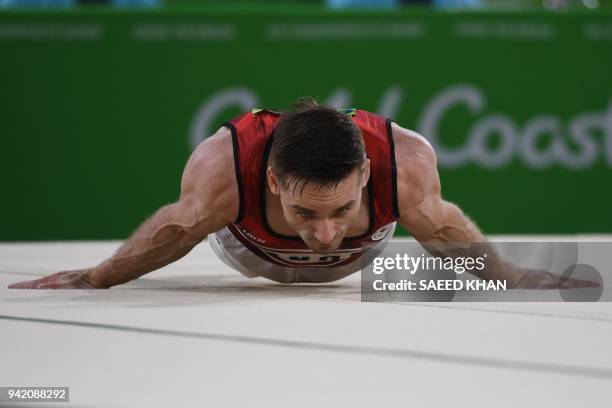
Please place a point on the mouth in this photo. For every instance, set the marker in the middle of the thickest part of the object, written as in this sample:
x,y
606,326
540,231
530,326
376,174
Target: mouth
x,y
319,248
325,249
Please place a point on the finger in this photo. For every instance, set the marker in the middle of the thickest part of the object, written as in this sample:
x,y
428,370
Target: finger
x,y
579,283
543,281
551,281
50,286
547,285
31,284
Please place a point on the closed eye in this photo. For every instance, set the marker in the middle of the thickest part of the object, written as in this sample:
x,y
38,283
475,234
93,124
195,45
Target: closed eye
x,y
342,211
305,215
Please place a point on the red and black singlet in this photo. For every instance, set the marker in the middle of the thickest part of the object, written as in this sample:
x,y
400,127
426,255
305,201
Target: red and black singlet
x,y
252,135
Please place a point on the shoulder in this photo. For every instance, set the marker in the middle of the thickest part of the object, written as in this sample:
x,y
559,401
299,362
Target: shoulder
x,y
209,176
416,163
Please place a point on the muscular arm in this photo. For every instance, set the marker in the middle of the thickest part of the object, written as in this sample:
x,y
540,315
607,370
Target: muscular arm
x,y
164,238
208,201
442,228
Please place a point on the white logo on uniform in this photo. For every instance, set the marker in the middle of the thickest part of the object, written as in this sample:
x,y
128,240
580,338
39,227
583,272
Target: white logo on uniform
x,y
381,233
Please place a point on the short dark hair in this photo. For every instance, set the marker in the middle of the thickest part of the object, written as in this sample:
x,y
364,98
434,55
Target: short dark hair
x,y
315,144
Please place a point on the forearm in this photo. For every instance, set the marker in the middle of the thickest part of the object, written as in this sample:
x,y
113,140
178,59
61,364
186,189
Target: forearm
x,y
156,243
456,235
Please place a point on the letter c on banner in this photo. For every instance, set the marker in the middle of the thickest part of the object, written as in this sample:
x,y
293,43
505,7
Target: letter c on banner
x,y
432,116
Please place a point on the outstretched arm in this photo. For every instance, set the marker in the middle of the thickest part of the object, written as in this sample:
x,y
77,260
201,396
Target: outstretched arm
x,y
442,228
206,204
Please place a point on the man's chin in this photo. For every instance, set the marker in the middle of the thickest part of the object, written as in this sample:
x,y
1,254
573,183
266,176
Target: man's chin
x,y
324,250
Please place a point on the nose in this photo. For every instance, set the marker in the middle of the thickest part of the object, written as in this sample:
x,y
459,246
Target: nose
x,y
324,232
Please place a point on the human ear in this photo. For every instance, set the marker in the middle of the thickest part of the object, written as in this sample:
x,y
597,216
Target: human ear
x,y
365,173
272,182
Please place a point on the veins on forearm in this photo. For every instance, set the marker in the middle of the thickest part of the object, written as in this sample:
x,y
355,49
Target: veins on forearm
x,y
458,236
152,246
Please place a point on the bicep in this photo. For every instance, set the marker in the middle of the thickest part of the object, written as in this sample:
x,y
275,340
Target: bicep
x,y
433,219
183,225
423,211
208,189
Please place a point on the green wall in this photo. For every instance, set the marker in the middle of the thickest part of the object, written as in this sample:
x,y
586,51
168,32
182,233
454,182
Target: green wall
x,y
100,108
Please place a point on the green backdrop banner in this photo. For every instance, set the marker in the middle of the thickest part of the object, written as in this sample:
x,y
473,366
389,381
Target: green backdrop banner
x,y
100,109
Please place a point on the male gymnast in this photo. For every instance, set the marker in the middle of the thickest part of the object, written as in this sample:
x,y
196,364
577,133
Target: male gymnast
x,y
301,196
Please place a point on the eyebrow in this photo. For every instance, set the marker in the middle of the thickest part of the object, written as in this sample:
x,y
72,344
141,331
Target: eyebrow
x,y
310,211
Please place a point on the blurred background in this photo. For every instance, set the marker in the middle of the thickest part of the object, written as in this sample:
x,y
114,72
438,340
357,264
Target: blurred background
x,y
103,101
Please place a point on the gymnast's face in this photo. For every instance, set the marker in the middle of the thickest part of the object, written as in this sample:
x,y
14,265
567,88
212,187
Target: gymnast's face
x,y
322,215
